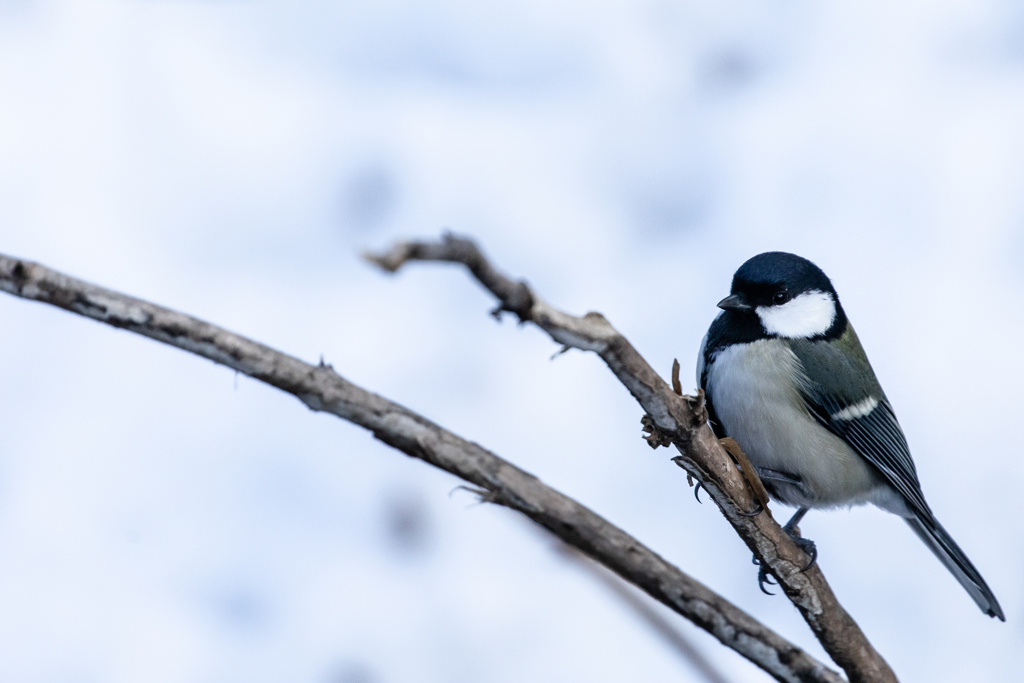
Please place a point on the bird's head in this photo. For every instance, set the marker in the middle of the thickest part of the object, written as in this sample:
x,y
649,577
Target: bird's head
x,y
790,296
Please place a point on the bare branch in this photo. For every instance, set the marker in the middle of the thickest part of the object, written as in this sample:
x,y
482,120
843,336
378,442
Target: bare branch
x,y
683,421
322,389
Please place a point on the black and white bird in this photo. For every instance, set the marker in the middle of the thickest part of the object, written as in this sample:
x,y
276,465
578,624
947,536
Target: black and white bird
x,y
786,377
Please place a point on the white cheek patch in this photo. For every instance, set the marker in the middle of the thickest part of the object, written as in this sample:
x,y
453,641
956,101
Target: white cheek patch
x,y
807,315
857,410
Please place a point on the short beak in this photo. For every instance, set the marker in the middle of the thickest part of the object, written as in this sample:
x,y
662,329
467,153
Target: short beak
x,y
734,302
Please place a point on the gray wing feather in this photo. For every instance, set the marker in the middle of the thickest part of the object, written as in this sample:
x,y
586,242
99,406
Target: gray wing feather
x,y
878,437
835,380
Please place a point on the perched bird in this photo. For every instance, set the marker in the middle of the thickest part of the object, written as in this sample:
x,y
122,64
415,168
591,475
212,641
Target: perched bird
x,y
785,376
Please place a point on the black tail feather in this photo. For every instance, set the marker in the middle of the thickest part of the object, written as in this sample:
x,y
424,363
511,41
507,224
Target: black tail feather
x,y
949,553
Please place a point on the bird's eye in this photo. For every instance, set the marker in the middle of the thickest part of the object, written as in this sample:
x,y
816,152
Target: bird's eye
x,y
780,298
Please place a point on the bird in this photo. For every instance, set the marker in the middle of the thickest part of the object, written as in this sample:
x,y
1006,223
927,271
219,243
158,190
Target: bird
x,y
785,376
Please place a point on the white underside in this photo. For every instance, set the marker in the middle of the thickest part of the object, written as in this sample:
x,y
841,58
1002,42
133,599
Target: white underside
x,y
758,403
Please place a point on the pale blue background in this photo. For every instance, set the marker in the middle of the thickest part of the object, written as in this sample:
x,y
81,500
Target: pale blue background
x,y
162,520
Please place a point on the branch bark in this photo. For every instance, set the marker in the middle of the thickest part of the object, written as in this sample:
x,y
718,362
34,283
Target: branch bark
x,y
683,421
500,482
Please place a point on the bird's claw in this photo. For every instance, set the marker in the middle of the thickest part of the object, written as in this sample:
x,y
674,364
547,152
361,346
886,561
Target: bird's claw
x,y
764,577
755,513
809,547
805,544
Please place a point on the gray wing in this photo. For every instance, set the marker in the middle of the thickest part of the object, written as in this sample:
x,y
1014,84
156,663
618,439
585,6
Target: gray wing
x,y
842,393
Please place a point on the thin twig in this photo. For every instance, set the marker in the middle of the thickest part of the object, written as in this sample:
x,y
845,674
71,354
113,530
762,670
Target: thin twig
x,y
683,422
322,389
749,473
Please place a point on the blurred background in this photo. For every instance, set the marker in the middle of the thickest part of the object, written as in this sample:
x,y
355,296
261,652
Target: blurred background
x,y
162,519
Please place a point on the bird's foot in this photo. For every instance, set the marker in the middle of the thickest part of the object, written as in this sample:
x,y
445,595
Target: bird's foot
x,y
654,436
764,577
760,508
805,544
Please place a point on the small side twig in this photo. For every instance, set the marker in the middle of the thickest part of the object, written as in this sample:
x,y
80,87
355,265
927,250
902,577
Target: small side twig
x,y
749,473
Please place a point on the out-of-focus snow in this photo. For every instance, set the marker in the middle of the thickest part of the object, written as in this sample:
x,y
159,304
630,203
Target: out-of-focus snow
x,y
164,520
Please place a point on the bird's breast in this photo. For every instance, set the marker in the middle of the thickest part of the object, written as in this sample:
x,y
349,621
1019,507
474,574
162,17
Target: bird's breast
x,y
755,391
